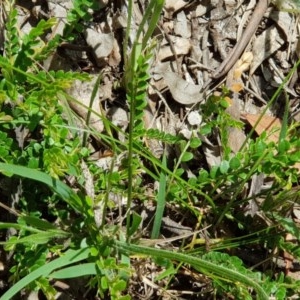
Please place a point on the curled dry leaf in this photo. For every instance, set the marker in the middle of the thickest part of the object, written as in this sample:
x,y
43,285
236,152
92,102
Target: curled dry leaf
x,y
182,91
234,80
212,155
119,118
296,213
236,138
243,64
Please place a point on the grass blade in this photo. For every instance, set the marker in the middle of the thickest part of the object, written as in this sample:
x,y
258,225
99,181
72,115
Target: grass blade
x,y
37,238
70,257
65,192
75,271
161,201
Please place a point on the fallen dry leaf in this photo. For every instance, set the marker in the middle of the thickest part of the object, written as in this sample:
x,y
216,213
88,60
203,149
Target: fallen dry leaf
x,y
181,46
82,91
271,125
171,6
184,92
102,44
182,26
270,41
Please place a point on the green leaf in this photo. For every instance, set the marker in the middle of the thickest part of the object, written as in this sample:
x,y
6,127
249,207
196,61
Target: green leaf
x,y
135,223
104,283
205,129
187,156
214,172
283,146
119,286
168,272
203,176
179,172
224,166
18,227
195,142
224,103
234,163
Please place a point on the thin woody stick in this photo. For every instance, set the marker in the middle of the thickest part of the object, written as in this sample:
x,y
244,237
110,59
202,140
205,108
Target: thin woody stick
x,y
227,64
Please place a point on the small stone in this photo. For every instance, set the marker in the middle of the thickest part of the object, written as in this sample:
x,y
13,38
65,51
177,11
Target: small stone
x,y
194,118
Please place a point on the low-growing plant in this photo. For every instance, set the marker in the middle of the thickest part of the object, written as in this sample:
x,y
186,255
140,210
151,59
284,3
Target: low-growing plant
x,y
81,243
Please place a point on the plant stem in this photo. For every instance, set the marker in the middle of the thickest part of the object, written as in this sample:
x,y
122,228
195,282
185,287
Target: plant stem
x,y
206,267
88,116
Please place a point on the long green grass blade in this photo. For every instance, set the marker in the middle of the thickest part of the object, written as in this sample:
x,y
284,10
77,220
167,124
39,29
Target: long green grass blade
x,y
18,227
153,21
65,192
38,223
284,125
75,271
37,238
161,201
70,257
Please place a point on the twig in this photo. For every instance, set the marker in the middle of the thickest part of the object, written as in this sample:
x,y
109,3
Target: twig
x,y
240,46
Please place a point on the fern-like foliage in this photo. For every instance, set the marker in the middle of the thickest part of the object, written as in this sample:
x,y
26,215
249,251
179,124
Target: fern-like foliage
x,y
57,80
31,44
137,92
11,48
82,11
12,41
156,134
8,87
22,52
48,48
137,86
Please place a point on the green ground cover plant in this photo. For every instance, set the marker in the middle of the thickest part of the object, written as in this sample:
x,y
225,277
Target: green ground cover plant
x,y
57,233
